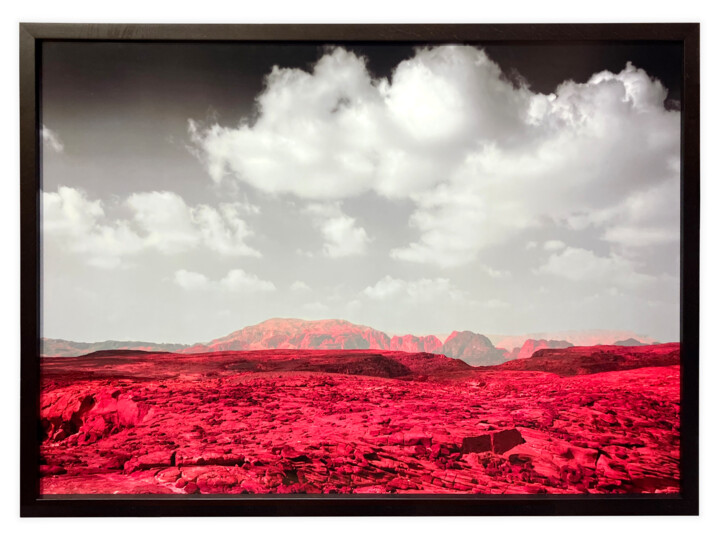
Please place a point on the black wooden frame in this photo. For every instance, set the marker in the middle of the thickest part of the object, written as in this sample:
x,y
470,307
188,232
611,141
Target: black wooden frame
x,y
686,503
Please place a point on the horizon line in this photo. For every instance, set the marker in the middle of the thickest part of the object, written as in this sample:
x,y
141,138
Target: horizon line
x,y
438,335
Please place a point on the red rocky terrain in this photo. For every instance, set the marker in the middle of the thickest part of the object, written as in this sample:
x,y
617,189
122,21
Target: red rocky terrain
x,y
582,420
586,360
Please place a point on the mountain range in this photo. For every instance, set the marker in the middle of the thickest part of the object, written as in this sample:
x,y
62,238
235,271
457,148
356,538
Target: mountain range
x,y
579,338
280,333
63,347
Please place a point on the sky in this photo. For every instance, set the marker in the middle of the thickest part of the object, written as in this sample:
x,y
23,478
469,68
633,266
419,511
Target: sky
x,y
190,190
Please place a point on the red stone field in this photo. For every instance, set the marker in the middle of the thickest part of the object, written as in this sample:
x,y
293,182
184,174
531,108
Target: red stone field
x,y
579,420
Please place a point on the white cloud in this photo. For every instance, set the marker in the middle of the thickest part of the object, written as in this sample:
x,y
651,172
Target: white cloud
x,y
582,265
223,230
191,281
299,286
649,218
450,221
51,140
240,281
68,211
244,206
638,236
480,158
77,224
421,290
494,273
160,221
342,237
165,220
553,245
236,281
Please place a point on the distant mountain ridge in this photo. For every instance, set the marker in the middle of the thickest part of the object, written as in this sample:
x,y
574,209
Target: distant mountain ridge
x,y
298,334
63,347
283,333
631,342
475,349
579,338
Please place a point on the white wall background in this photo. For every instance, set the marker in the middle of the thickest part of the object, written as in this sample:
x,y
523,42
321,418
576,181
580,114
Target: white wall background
x,y
367,11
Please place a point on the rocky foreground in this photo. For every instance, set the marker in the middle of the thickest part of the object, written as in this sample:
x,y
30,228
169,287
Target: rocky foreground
x,y
127,422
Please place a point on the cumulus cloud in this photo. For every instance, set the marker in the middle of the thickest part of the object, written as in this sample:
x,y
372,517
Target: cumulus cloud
x,y
160,221
223,230
244,206
495,273
192,281
649,218
236,281
342,236
639,236
582,265
78,224
165,219
482,159
51,140
240,281
553,245
299,286
421,290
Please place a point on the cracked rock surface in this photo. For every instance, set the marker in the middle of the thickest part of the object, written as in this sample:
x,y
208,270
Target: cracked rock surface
x,y
126,422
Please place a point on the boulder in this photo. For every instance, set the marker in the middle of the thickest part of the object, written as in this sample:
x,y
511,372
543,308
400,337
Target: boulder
x,y
504,440
480,443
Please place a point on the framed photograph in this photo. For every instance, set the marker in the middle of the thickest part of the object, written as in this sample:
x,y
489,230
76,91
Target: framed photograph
x,y
359,269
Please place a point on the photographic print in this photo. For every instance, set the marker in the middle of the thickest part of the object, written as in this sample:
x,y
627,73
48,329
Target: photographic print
x,y
341,268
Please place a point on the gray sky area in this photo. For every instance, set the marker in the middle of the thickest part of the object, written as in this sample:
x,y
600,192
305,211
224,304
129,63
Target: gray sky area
x,y
193,189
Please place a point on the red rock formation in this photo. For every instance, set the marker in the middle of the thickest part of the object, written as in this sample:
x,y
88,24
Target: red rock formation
x,y
411,343
531,346
475,349
298,334
337,334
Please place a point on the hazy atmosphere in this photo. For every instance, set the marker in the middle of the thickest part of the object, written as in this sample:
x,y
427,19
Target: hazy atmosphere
x,y
193,189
